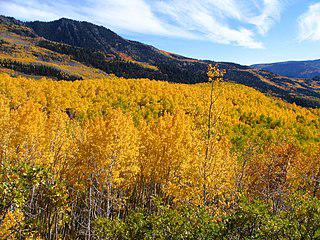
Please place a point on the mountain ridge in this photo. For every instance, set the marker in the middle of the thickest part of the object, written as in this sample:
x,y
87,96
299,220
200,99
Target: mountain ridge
x,y
294,69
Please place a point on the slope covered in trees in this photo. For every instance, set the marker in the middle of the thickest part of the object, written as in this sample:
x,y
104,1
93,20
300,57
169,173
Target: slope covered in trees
x,y
169,66
116,158
19,52
75,46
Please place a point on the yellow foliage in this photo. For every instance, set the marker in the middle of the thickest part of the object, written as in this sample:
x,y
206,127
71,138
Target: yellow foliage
x,y
10,224
107,149
139,138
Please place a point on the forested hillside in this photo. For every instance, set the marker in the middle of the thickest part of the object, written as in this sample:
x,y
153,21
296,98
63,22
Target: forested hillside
x,y
80,49
115,158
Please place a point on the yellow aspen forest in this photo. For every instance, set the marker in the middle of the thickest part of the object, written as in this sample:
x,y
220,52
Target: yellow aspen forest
x,y
115,158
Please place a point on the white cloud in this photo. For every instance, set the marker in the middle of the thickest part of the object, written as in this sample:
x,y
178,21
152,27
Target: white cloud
x,y
43,10
208,19
237,22
28,10
270,13
309,24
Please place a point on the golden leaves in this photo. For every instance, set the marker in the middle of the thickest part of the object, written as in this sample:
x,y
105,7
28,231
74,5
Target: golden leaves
x,y
11,220
144,137
214,73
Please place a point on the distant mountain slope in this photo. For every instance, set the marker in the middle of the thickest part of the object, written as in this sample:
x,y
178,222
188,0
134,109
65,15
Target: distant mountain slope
x,y
66,42
20,54
294,69
153,62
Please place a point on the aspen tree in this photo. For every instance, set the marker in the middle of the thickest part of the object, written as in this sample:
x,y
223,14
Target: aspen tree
x,y
215,76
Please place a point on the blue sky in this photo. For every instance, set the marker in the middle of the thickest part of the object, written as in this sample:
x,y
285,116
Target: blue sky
x,y
241,31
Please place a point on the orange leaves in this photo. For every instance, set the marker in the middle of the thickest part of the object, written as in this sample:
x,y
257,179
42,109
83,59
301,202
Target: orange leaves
x,y
11,220
305,171
268,172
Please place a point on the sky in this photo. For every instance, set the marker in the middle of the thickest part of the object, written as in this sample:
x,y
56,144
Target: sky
x,y
241,31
